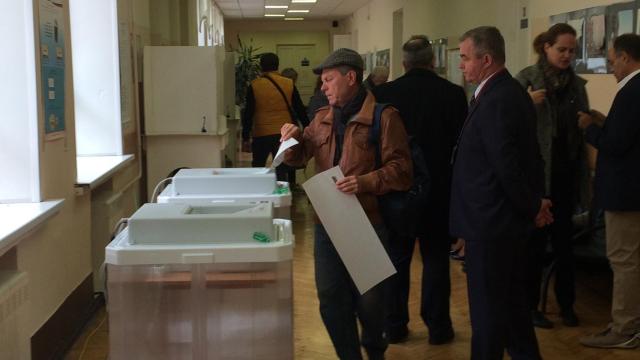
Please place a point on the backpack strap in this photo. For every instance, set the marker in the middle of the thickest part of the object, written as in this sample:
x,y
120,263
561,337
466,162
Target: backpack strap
x,y
374,134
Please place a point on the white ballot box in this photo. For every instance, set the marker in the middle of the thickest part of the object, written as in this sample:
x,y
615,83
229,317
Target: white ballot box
x,y
190,294
229,185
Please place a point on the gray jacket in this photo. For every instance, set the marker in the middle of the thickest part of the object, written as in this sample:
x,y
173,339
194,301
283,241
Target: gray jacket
x,y
547,123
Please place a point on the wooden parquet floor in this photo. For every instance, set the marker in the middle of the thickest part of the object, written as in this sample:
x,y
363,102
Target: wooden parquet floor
x,y
312,342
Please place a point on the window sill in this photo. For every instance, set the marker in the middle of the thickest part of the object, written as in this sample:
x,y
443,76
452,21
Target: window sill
x,y
94,170
19,219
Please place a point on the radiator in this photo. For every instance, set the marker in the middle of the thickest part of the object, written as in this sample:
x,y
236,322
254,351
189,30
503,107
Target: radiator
x,y
13,296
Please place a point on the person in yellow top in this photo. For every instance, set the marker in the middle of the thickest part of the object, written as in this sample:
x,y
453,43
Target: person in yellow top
x,y
272,101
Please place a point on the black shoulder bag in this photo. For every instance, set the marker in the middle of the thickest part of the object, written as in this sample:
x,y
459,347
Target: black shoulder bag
x,y
294,117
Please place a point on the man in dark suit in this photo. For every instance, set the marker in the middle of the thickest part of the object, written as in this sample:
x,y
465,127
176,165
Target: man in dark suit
x,y
496,198
433,110
617,191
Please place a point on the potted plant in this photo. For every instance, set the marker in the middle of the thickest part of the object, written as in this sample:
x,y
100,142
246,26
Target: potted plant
x,y
247,69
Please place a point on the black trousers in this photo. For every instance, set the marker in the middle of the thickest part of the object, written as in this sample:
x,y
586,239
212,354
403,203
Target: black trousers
x,y
559,234
498,308
436,283
341,305
261,147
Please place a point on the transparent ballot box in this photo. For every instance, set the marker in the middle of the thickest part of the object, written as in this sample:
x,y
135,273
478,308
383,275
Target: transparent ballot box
x,y
197,300
229,185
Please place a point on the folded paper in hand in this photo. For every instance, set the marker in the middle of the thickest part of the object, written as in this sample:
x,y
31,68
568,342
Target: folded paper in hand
x,y
277,160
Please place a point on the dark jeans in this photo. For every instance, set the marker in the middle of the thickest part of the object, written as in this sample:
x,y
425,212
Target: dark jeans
x,y
436,283
261,147
498,308
341,303
559,234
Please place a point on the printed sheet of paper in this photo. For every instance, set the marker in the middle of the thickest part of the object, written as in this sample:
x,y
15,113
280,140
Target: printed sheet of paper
x,y
350,230
277,160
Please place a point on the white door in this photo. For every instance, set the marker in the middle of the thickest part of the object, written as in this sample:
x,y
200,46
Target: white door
x,y
302,58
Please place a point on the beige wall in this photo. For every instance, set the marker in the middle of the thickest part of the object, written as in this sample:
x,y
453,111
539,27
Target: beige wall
x,y
168,21
269,41
318,33
372,25
57,256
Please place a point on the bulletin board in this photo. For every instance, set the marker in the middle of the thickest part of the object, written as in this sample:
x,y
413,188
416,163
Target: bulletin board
x,y
52,33
439,56
383,58
596,28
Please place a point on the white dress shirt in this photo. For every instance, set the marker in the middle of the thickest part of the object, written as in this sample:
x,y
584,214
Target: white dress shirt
x,y
479,88
624,81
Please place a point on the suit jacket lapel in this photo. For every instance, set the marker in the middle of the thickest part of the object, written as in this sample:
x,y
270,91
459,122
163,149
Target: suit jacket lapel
x,y
502,74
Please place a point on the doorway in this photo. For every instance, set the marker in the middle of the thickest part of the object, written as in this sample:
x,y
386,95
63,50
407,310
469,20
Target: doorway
x,y
300,58
396,52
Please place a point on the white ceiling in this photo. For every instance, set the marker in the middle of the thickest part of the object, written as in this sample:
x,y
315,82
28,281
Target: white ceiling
x,y
322,9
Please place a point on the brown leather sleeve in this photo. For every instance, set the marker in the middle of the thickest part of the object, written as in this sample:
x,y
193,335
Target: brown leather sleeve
x,y
300,154
396,172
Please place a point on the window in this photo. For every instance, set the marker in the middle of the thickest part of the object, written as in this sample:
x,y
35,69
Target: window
x,y
96,77
19,181
210,24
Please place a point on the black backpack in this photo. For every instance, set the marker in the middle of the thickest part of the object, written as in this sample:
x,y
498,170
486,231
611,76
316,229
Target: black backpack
x,y
402,210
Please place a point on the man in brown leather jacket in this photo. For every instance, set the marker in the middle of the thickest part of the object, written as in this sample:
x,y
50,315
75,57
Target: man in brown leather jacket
x,y
339,135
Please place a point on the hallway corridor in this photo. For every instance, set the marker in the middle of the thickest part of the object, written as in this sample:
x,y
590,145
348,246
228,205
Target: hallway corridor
x,y
312,342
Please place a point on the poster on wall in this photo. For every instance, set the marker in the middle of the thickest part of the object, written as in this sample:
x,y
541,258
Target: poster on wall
x,y
364,63
560,18
596,29
576,20
625,22
52,53
637,14
454,74
595,39
370,61
619,21
439,55
382,58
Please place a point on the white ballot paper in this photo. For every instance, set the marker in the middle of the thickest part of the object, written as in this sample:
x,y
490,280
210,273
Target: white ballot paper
x,y
350,230
277,160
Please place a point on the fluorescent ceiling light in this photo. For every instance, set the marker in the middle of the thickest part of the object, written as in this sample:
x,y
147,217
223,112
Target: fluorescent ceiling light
x,y
294,18
298,11
274,15
276,6
303,1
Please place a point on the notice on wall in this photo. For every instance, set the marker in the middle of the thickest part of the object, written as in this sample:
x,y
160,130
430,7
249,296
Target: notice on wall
x,y
625,22
383,58
596,29
52,57
350,230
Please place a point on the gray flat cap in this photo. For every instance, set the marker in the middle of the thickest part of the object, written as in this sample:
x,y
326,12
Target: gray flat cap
x,y
342,56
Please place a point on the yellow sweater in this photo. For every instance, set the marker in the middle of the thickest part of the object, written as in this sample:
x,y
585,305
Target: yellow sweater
x,y
271,111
